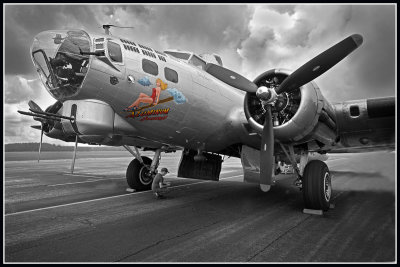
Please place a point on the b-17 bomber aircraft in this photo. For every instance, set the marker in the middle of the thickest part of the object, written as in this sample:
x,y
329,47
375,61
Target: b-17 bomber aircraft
x,y
116,92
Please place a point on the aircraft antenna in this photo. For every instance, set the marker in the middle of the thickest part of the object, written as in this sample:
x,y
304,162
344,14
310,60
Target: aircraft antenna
x,y
107,27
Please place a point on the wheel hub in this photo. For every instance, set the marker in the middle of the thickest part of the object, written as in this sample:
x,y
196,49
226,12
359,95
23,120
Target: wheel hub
x,y
327,187
145,175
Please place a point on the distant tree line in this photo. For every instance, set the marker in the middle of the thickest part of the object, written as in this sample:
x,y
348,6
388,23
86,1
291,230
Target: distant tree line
x,y
52,147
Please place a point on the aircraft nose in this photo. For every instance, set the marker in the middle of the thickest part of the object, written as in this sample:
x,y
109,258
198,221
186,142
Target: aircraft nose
x,y
59,61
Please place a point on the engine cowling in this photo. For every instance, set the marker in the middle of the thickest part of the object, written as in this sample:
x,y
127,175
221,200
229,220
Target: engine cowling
x,y
295,114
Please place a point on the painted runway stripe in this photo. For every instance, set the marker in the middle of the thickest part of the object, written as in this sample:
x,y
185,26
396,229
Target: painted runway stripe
x,y
30,168
334,165
82,182
88,181
335,159
82,175
98,199
102,177
231,177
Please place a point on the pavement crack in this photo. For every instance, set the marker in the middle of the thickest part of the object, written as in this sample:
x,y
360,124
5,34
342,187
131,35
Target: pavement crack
x,y
276,239
164,240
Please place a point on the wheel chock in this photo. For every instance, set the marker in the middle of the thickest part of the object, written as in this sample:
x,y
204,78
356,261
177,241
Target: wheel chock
x,y
317,212
130,190
313,212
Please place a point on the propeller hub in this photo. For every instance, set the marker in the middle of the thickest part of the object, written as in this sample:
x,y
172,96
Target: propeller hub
x,y
266,94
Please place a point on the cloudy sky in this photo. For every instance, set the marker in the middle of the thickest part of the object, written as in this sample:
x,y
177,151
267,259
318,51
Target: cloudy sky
x,y
250,39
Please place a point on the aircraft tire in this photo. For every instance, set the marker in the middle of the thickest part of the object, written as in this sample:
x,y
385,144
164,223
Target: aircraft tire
x,y
136,176
317,187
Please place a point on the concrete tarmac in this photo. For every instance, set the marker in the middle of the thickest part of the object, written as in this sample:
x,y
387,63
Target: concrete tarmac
x,y
54,216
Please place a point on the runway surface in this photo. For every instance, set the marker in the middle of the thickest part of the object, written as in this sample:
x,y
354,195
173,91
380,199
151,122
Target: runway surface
x,y
53,216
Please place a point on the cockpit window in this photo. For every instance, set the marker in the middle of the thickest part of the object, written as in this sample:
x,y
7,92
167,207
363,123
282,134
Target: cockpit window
x,y
179,55
43,68
58,59
197,62
114,51
219,60
39,57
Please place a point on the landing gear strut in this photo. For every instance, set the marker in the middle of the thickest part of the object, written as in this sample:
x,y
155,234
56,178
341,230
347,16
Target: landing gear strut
x,y
314,179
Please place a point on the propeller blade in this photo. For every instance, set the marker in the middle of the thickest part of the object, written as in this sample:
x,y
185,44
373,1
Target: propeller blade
x,y
73,159
37,127
267,152
39,119
320,64
54,108
34,106
230,77
41,140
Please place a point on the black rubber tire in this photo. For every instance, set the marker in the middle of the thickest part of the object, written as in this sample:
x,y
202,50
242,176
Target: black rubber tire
x,y
132,174
316,191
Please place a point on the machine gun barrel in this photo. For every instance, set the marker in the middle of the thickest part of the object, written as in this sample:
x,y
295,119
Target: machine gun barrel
x,y
39,116
51,114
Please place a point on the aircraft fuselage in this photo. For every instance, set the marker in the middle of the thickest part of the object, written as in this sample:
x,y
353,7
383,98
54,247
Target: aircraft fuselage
x,y
195,111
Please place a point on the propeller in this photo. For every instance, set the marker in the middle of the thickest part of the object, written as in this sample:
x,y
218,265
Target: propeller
x,y
304,74
46,118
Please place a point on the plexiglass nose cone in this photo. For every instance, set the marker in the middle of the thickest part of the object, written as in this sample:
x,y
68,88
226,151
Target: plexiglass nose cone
x,y
59,62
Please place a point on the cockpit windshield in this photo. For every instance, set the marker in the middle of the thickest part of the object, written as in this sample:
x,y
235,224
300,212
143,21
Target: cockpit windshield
x,y
180,55
59,62
190,58
197,62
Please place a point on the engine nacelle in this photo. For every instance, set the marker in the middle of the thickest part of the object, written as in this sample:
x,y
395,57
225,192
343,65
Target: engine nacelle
x,y
94,119
366,124
295,114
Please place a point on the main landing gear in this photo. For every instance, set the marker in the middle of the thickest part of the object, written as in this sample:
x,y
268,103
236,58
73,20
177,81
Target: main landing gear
x,y
141,170
138,175
316,185
314,179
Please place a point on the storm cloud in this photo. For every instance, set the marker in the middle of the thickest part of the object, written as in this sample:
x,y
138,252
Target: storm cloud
x,y
250,39
289,37
22,23
201,29
20,89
